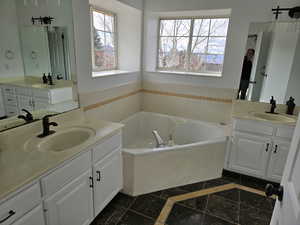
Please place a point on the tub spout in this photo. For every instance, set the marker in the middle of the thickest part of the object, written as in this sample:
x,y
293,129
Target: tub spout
x,y
159,141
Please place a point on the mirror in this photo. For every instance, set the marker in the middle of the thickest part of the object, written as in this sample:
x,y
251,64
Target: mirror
x,y
37,61
271,63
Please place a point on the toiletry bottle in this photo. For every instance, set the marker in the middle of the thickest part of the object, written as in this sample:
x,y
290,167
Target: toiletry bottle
x,y
171,141
50,80
290,106
45,80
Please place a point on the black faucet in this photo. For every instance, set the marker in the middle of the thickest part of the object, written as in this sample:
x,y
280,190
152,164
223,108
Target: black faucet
x,y
46,127
273,106
290,106
28,117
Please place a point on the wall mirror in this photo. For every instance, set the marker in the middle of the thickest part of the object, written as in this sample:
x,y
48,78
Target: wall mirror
x,y
37,60
271,63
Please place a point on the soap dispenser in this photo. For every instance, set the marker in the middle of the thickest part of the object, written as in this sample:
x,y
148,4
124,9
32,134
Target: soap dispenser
x,y
290,106
45,80
50,80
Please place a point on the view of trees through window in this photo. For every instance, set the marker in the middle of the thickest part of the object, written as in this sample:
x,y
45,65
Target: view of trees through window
x,y
192,45
104,49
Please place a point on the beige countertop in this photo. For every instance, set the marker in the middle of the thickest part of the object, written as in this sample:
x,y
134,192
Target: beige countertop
x,y
19,167
250,116
36,82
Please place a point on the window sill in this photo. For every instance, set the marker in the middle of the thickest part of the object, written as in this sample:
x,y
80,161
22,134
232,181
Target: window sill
x,y
110,73
188,73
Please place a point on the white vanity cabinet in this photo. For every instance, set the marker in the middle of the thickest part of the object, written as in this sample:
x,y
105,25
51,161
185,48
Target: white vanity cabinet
x,y
34,217
259,149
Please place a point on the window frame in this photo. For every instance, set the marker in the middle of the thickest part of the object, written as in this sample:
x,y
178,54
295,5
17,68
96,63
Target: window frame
x,y
192,18
115,32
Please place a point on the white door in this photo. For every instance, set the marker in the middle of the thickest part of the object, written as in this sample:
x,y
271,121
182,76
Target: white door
x,y
249,154
34,217
287,212
279,155
73,204
108,179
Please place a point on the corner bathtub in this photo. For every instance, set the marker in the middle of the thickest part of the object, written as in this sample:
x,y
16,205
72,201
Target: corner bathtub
x,y
198,153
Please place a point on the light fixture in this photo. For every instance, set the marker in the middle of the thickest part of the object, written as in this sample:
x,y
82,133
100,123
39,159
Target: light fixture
x,y
294,12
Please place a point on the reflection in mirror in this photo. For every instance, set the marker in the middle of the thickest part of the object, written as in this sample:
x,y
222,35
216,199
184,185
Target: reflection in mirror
x,y
37,68
271,63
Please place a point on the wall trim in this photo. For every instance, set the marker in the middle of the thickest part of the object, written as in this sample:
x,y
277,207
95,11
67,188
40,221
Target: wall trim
x,y
197,97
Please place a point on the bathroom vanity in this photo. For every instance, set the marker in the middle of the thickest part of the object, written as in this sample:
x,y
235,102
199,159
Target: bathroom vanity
x,y
259,148
57,186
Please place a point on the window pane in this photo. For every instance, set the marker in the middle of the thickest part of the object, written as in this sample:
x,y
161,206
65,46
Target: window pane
x,y
109,23
109,41
182,27
173,53
219,27
201,27
167,27
199,45
214,63
216,45
197,63
98,19
99,40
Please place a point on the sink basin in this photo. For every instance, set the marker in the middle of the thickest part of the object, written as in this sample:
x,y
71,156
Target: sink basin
x,y
61,140
66,139
274,117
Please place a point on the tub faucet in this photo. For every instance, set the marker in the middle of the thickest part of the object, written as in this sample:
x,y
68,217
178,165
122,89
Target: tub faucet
x,y
159,141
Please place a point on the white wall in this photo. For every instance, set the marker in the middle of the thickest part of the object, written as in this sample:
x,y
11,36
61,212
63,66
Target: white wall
x,y
139,4
242,14
9,40
83,52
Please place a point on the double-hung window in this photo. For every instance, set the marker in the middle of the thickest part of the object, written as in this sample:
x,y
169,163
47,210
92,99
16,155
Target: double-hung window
x,y
104,44
195,45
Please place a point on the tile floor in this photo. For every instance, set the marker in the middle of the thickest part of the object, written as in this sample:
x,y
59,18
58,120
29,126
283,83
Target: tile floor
x,y
223,208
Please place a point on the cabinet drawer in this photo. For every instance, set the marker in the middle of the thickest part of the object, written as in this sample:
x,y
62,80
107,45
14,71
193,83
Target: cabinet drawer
x,y
285,132
252,127
34,217
20,204
11,110
64,175
101,150
8,90
10,100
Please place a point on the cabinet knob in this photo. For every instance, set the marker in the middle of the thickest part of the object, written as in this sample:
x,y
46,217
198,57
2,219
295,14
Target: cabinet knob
x,y
267,148
271,190
275,150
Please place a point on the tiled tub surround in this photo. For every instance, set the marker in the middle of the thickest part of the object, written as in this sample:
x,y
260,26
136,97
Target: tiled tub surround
x,y
189,101
113,104
198,152
19,167
245,203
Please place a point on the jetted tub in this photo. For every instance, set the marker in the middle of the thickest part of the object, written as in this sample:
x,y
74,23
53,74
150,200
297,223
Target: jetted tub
x,y
197,154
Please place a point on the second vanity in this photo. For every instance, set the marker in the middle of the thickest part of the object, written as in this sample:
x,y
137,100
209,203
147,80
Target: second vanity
x,y
43,184
259,145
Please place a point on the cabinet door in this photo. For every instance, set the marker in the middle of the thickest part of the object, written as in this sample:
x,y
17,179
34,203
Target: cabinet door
x,y
108,180
25,102
34,217
279,155
73,204
249,154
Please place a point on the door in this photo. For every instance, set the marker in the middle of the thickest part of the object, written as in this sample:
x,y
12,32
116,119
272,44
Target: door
x,y
73,204
287,212
249,154
278,158
34,217
108,180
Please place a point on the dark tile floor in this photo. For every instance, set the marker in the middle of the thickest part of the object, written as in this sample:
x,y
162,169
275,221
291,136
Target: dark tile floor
x,y
223,208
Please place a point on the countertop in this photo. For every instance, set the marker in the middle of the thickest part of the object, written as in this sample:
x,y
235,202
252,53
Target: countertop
x,y
19,167
36,82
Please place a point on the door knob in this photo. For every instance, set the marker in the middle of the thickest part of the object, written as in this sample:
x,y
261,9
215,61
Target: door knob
x,y
271,190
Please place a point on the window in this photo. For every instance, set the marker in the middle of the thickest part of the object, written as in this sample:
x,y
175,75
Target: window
x,y
104,51
194,45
